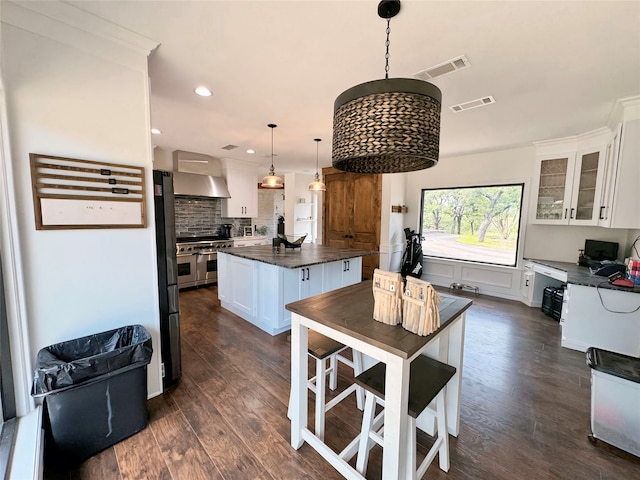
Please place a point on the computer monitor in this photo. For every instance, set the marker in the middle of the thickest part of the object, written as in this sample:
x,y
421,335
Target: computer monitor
x,y
599,250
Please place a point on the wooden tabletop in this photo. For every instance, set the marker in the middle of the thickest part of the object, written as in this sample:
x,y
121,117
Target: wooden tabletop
x,y
350,310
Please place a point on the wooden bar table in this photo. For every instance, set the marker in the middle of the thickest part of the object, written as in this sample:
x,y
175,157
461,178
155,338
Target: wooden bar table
x,y
346,315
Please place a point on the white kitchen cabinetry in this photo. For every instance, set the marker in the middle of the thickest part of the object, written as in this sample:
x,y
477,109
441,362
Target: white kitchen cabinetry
x,y
243,187
535,279
259,292
243,285
223,269
250,242
602,318
570,176
342,273
307,281
620,195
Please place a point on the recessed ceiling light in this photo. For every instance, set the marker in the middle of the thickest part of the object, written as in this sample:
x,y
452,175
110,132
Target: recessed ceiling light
x,y
251,150
203,91
155,131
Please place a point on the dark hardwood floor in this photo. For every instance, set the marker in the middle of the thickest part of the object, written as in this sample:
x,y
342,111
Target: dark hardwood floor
x,y
525,407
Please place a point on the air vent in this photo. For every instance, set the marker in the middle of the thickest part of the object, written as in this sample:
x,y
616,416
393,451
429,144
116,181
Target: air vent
x,y
229,147
445,68
480,102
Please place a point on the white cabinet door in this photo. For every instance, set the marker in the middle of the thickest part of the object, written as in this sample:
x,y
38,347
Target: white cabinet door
x,y
243,187
571,179
303,282
588,179
332,276
624,213
342,273
553,187
352,272
243,285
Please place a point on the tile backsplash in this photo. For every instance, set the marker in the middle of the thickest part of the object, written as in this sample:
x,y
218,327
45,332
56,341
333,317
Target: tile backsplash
x,y
203,216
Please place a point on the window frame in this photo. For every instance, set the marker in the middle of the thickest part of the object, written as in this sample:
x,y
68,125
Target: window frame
x,y
520,229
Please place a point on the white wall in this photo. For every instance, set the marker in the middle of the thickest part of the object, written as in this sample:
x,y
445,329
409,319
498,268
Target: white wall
x,y
63,99
392,238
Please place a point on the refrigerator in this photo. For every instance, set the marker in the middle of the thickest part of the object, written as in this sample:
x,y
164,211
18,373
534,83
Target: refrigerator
x,y
163,201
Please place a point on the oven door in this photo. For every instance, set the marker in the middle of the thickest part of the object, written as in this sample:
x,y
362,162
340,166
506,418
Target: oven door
x,y
186,270
207,267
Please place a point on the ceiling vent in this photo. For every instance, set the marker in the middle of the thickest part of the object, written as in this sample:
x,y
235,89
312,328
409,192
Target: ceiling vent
x,y
229,147
480,102
445,68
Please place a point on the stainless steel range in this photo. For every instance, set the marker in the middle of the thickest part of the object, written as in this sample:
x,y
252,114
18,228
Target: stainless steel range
x,y
198,259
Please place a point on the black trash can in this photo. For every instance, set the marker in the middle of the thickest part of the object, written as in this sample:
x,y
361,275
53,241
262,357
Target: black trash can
x,y
95,391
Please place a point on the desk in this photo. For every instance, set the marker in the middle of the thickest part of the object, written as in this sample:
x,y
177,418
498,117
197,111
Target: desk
x,y
347,316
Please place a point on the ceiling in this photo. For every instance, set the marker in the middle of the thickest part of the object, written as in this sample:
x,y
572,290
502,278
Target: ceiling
x,y
555,69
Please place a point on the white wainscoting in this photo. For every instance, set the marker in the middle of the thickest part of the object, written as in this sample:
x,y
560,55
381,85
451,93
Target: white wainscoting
x,y
497,281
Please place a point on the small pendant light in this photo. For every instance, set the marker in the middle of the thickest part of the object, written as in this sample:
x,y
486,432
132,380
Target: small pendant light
x,y
272,180
387,126
317,185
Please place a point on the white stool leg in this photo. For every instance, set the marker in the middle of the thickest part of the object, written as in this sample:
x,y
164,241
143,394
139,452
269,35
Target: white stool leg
x,y
367,420
320,397
357,370
333,373
443,452
411,448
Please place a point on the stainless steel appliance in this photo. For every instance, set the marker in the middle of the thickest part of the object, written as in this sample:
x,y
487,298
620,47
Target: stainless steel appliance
x,y
163,203
198,259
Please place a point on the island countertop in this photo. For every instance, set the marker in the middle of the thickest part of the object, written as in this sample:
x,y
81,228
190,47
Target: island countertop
x,y
305,256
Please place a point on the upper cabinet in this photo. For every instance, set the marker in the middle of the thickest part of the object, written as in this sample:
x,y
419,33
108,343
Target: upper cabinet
x,y
620,199
243,187
570,178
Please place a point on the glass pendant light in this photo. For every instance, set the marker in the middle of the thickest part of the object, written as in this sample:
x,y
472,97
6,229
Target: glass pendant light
x,y
317,185
272,180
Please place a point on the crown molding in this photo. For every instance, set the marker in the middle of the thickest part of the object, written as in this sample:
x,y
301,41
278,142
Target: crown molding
x,y
70,25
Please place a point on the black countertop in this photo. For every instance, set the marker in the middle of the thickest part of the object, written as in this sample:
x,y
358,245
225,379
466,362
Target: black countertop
x,y
582,275
305,256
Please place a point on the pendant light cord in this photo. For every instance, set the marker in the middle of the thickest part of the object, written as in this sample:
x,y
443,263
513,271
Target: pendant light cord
x,y
386,56
272,150
317,146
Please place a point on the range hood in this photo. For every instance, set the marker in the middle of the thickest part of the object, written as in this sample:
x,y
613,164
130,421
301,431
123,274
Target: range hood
x,y
196,185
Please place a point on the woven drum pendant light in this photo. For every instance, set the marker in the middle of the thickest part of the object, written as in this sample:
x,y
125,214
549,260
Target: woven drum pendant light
x,y
317,185
389,125
272,180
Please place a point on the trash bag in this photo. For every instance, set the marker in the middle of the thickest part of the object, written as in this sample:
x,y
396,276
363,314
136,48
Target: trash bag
x,y
69,363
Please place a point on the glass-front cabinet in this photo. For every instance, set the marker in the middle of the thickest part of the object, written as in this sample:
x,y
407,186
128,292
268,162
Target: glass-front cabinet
x,y
569,181
554,189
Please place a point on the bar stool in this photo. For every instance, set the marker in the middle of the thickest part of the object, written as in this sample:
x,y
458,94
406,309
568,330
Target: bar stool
x,y
323,348
427,380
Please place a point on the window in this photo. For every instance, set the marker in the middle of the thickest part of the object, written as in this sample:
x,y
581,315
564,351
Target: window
x,y
475,224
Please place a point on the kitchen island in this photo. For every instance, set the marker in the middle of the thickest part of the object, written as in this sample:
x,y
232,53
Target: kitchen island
x,y
255,283
594,312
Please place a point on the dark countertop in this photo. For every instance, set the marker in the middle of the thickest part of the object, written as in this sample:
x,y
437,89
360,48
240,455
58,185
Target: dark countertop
x,y
305,256
582,276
